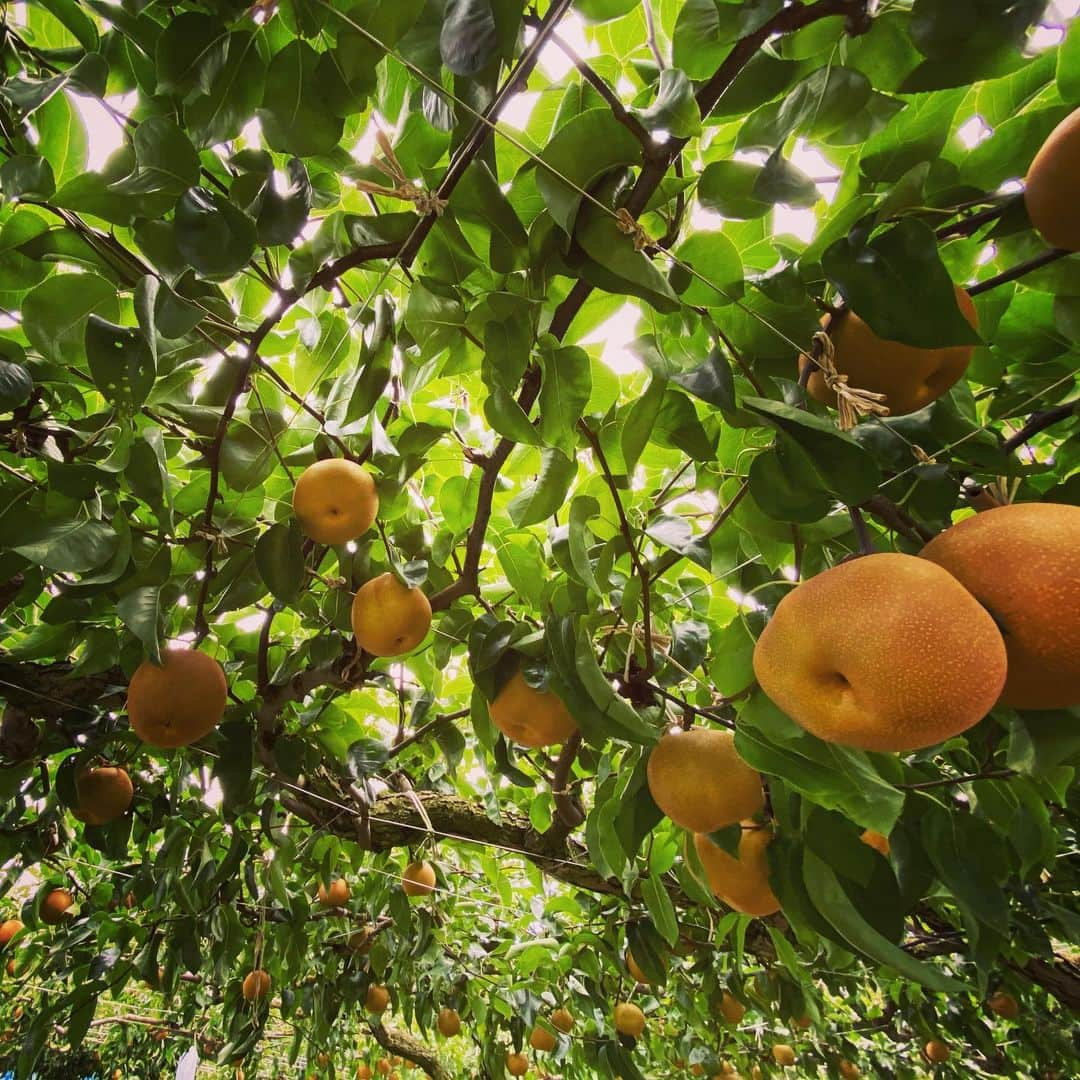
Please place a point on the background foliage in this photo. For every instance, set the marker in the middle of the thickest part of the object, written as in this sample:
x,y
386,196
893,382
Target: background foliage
x,y
190,322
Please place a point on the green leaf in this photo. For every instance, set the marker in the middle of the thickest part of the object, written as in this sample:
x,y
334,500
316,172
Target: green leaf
x,y
16,385
845,468
55,313
969,858
76,20
121,362
705,29
676,533
247,453
284,213
675,109
1068,64
639,422
583,150
582,508
917,134
507,417
540,499
215,237
718,277
727,187
165,161
233,95
522,560
661,909
617,266
899,286
140,611
836,907
72,545
711,381
190,53
468,38
784,483
780,182
833,776
279,555
27,176
564,391
293,113
624,721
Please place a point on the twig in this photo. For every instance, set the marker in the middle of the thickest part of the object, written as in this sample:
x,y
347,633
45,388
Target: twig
x,y
1040,421
566,806
862,533
971,224
650,34
628,535
600,85
944,781
422,733
1018,271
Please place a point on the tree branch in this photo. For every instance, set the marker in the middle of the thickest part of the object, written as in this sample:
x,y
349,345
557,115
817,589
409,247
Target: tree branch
x,y
402,1044
1039,421
1018,271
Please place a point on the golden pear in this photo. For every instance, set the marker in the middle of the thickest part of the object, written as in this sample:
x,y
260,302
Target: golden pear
x,y
1050,187
530,717
909,377
335,501
698,779
742,883
388,617
178,702
882,654
1020,562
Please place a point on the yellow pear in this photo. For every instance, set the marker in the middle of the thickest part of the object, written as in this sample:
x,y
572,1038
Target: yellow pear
x,y
882,653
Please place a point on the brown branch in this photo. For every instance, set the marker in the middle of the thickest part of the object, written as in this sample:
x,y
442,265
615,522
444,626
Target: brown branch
x,y
896,518
422,733
669,559
972,223
1039,421
862,534
1018,271
566,806
946,781
600,85
402,1044
640,568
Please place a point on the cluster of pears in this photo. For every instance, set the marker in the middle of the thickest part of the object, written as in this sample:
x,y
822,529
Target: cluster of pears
x,y
698,779
892,652
911,378
335,501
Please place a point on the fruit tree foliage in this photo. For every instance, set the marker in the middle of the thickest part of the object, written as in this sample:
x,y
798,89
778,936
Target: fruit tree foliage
x,y
545,270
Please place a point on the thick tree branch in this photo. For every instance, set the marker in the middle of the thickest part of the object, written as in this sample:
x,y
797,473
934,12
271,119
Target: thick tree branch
x,y
402,1044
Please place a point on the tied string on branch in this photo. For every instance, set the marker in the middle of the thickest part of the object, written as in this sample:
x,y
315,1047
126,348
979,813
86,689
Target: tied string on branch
x,y
628,225
426,202
852,402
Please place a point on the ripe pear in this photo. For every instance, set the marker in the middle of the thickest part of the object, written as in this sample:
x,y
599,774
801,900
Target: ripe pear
x,y
876,841
388,617
731,1008
629,1019
541,1039
54,907
1003,1004
179,702
909,377
937,1051
1050,187
698,779
849,1070
634,969
418,879
1020,562
517,1064
563,1019
8,929
530,717
448,1023
882,653
104,794
336,896
377,999
335,501
256,985
742,883
783,1054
